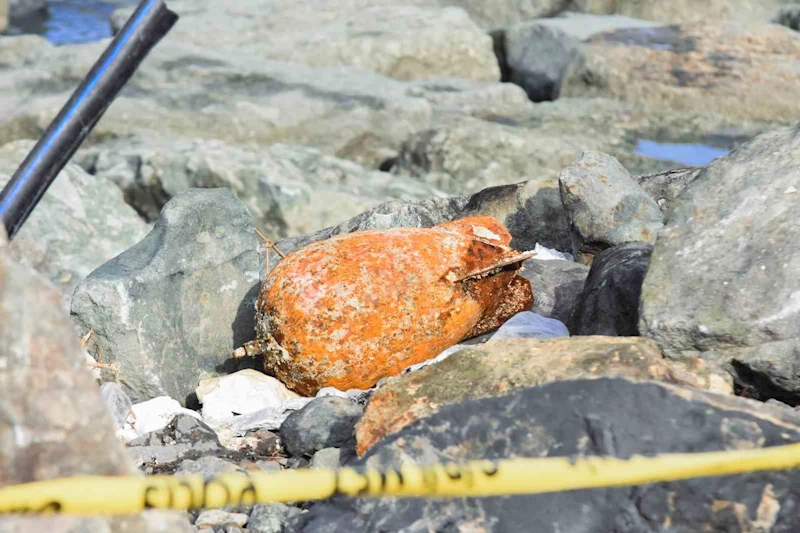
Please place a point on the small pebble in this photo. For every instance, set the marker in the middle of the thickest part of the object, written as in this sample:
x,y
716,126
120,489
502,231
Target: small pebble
x,y
271,518
214,517
327,458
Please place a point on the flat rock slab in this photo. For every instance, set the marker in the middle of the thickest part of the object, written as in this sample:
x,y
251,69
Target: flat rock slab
x,y
744,72
606,416
723,274
497,368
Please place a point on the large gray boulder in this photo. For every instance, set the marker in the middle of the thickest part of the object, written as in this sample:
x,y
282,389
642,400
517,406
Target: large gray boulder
x,y
201,92
539,58
724,271
605,206
402,40
54,423
171,308
604,416
289,190
711,66
80,223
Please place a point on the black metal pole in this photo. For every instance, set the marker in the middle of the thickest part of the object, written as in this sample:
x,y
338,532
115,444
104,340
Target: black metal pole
x,y
145,28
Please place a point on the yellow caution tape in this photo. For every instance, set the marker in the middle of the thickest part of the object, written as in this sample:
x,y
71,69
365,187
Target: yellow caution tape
x,y
128,495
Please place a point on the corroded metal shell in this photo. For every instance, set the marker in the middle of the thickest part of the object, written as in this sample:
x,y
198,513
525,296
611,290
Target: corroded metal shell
x,y
355,308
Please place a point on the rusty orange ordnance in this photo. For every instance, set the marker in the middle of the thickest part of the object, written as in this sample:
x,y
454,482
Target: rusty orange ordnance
x,y
350,310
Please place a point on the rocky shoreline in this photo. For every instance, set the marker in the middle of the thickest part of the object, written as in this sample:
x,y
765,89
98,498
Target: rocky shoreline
x,y
665,296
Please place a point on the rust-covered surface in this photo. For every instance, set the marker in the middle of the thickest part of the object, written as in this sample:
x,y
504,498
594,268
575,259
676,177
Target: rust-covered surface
x,y
350,310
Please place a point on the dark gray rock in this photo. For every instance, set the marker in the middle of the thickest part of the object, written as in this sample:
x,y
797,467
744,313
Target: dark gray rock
x,y
117,403
272,518
538,58
665,187
788,16
604,416
326,422
605,206
185,437
393,214
173,307
770,371
268,443
723,274
609,303
556,286
531,210
207,466
22,8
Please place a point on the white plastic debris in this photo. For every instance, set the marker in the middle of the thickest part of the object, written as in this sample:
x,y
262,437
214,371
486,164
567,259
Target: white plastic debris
x,y
151,415
243,392
529,325
549,254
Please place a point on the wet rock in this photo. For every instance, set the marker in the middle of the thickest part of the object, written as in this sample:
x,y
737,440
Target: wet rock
x,y
117,402
500,367
609,303
208,467
557,284
185,437
80,223
605,416
326,458
172,308
323,423
722,274
289,190
215,518
732,70
538,58
605,206
272,518
665,187
243,392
